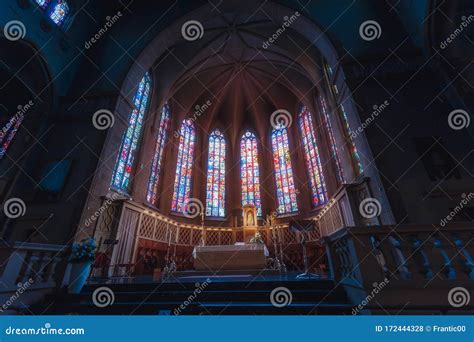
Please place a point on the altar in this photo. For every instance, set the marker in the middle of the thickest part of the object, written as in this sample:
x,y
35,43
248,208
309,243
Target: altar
x,y
230,257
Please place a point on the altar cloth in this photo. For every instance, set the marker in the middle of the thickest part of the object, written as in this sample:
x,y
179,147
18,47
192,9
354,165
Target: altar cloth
x,y
230,257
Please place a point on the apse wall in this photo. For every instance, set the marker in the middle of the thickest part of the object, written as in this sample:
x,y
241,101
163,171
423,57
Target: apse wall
x,y
399,69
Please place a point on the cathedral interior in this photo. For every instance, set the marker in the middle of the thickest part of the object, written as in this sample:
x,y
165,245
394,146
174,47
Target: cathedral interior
x,y
320,146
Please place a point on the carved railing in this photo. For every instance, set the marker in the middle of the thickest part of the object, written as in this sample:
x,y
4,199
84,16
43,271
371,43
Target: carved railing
x,y
406,258
342,210
131,223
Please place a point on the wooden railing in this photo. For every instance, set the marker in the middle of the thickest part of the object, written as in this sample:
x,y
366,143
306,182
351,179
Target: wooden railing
x,y
127,223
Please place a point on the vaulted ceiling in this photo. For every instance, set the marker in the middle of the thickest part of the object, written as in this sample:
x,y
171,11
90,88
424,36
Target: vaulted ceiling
x,y
236,68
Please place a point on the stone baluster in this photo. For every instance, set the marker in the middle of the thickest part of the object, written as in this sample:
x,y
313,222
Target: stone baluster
x,y
447,267
378,254
421,258
467,257
14,269
44,264
31,268
400,259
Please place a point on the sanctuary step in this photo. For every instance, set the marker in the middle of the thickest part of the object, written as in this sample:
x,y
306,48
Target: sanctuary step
x,y
221,296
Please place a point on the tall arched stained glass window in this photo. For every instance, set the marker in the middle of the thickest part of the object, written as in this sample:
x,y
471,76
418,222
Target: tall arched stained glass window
x,y
332,140
249,171
285,185
59,11
131,138
215,195
152,190
312,157
184,166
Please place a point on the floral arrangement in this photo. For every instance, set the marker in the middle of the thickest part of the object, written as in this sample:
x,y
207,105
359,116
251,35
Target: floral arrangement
x,y
83,251
257,239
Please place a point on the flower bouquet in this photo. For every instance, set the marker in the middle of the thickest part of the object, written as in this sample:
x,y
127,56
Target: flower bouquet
x,y
257,239
81,258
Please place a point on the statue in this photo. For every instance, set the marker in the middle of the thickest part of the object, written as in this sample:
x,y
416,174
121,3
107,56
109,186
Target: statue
x,y
250,221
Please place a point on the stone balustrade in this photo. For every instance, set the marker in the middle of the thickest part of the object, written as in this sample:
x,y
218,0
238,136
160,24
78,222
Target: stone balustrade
x,y
28,271
406,259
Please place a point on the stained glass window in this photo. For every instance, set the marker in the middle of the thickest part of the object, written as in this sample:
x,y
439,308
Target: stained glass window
x,y
249,171
182,181
43,3
59,11
332,140
215,195
312,157
152,190
355,152
8,132
130,140
286,191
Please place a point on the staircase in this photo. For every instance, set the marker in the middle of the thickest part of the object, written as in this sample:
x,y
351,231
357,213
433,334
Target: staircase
x,y
220,297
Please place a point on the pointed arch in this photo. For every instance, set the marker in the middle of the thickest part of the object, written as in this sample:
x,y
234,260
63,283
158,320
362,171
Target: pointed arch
x,y
215,194
162,134
124,167
312,157
184,166
284,178
249,171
